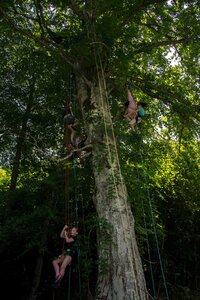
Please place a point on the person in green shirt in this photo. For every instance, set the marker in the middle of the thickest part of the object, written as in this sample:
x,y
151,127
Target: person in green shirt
x,y
140,111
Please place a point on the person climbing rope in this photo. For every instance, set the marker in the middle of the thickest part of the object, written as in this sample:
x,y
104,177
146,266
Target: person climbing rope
x,y
68,256
134,110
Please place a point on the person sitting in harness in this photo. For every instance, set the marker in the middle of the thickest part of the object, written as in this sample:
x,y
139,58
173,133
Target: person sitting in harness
x,y
72,121
68,256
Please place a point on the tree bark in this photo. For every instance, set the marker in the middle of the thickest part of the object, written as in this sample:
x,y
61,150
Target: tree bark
x,y
120,270
39,263
50,198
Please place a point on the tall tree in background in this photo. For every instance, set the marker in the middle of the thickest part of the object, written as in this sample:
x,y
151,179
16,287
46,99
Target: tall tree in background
x,y
105,43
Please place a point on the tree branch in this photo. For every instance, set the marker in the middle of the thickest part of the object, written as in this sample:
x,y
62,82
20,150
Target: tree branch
x,y
75,150
170,95
75,8
42,41
145,47
160,90
40,19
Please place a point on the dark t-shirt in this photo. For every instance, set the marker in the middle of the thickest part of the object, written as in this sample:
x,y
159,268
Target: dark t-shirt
x,y
71,248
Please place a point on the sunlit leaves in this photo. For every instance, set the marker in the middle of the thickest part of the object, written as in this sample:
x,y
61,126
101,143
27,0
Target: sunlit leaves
x,y
4,179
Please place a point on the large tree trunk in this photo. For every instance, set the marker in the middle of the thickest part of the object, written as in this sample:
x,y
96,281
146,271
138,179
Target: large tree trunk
x,y
38,267
120,270
41,252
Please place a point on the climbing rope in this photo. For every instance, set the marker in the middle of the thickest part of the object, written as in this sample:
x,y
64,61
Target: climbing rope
x,y
149,254
154,226
147,240
66,175
69,210
69,282
152,215
74,206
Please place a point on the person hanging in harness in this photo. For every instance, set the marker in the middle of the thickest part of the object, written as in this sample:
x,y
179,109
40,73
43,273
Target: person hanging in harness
x,y
77,137
68,256
134,110
72,121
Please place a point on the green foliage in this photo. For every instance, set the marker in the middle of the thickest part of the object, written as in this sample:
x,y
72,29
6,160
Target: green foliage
x,y
151,44
4,179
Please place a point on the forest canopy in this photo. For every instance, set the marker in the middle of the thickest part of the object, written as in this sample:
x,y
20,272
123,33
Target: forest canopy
x,y
82,56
